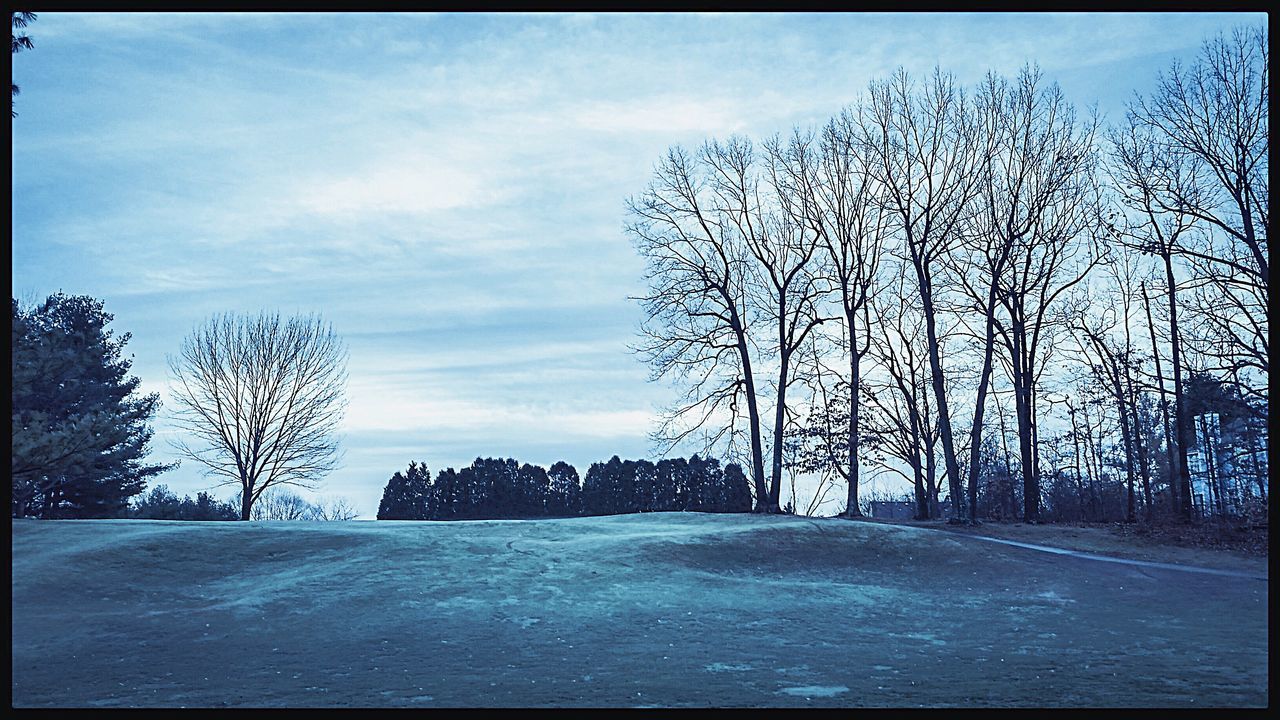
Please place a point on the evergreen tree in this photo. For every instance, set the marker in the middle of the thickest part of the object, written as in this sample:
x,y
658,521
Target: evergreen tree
x,y
636,488
737,490
206,507
80,430
600,489
703,484
534,490
443,501
157,504
20,41
564,495
161,504
406,496
669,479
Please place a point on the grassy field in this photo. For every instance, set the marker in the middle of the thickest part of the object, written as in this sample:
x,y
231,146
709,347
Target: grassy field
x,y
668,609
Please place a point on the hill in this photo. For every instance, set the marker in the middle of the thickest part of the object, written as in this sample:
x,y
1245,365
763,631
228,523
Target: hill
x,y
668,609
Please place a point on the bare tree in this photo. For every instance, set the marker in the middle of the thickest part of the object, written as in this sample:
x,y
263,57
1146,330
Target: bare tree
x,y
923,149
831,192
697,315
337,509
1205,127
1029,178
784,250
1148,182
282,505
902,425
1171,452
1052,224
263,398
1110,362
724,253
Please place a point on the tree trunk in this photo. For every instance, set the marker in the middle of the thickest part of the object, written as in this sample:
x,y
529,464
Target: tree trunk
x,y
975,434
1075,440
1182,421
939,390
753,413
1022,406
1141,447
922,496
1131,510
779,417
851,508
931,476
246,502
1171,458
1211,470
1007,498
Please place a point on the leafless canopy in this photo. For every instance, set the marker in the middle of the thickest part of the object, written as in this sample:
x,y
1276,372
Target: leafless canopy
x,y
262,397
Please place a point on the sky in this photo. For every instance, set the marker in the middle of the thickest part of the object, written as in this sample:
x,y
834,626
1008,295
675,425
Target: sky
x,y
448,190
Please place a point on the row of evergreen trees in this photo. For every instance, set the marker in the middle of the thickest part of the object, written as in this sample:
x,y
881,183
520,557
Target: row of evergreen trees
x,y
492,488
160,503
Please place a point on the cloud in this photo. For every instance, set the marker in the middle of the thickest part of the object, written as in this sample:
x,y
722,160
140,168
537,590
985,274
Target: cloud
x,y
662,114
449,189
417,183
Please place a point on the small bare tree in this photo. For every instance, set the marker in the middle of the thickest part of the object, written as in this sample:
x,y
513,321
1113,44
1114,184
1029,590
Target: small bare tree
x,y
337,509
263,398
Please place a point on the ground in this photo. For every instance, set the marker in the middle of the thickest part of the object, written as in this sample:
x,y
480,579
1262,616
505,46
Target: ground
x,y
668,609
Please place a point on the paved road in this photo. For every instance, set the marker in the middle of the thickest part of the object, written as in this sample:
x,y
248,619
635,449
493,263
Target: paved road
x,y
1104,558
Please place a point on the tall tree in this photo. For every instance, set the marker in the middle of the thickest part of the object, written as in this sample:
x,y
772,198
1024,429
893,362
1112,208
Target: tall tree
x,y
406,495
262,396
784,249
924,149
80,428
831,192
1148,181
903,425
1030,186
1051,218
564,496
736,492
697,318
1205,128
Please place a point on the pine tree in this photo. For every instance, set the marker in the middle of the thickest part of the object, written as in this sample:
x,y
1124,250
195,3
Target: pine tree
x,y
669,476
443,499
406,495
737,490
564,497
80,429
600,488
534,491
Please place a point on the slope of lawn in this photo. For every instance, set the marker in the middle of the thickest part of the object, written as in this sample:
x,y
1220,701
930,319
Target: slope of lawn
x,y
668,609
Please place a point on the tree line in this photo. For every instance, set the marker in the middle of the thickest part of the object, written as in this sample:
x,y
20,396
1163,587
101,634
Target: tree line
x,y
979,290
504,489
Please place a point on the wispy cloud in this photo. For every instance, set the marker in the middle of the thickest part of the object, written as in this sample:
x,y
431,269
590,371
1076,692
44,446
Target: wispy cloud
x,y
447,189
